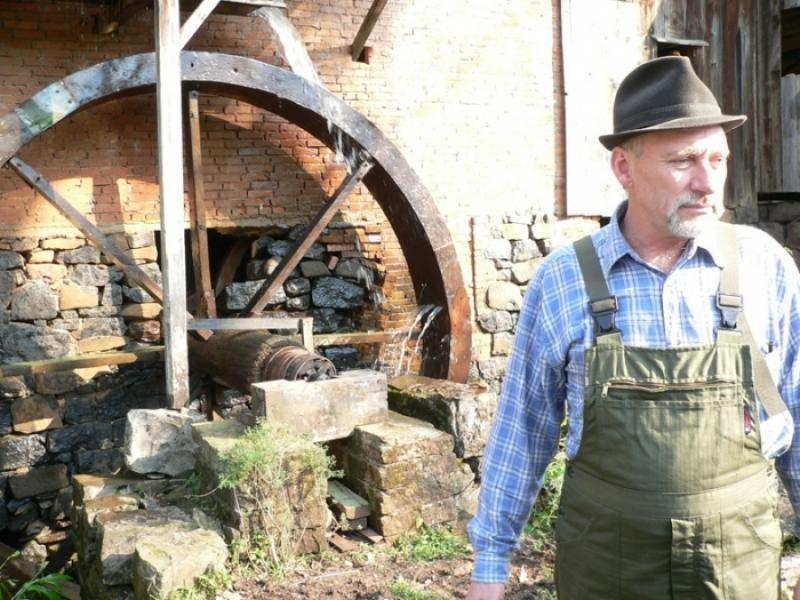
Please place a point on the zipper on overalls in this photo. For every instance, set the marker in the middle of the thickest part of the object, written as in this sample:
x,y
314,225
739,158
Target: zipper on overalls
x,y
655,388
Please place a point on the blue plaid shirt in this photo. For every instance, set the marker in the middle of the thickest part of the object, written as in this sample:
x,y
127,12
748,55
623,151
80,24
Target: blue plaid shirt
x,y
545,373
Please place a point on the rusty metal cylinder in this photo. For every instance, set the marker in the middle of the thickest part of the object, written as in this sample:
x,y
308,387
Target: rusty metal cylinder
x,y
241,358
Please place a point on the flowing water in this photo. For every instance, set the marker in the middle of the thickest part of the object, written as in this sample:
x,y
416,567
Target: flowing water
x,y
296,56
289,42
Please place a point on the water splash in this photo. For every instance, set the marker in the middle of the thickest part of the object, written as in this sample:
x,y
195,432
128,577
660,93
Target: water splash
x,y
290,43
428,320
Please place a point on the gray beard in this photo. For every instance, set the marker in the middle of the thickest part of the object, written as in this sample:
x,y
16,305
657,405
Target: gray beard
x,y
691,228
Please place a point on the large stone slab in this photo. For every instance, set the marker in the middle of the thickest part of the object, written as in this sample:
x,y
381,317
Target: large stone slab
x,y
20,451
164,563
239,294
330,292
34,300
324,410
31,415
160,441
78,296
90,487
21,342
465,411
39,481
299,507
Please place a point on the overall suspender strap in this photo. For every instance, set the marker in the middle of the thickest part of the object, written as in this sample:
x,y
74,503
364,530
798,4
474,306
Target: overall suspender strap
x,y
729,301
602,305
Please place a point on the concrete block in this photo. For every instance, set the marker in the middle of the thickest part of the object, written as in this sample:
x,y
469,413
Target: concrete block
x,y
325,410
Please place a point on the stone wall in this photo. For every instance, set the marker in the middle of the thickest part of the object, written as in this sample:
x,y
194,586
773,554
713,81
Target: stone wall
x,y
60,297
508,251
782,221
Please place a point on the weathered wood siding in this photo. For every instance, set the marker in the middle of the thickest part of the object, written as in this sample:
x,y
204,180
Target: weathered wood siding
x,y
790,101
742,67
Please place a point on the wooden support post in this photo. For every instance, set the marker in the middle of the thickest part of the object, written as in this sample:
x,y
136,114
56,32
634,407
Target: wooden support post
x,y
134,273
196,19
307,333
170,177
206,301
373,14
301,246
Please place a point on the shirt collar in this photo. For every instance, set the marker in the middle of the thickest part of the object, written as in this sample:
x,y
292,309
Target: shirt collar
x,y
618,247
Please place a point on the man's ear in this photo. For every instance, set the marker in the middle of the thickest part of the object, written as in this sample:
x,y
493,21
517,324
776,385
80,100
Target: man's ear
x,y
622,167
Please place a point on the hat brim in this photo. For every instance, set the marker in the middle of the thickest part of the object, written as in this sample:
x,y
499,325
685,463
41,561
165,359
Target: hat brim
x,y
728,123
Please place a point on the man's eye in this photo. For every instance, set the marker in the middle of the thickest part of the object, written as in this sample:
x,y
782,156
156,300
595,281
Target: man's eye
x,y
680,163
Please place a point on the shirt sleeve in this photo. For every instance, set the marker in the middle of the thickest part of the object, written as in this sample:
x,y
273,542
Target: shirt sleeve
x,y
523,440
788,464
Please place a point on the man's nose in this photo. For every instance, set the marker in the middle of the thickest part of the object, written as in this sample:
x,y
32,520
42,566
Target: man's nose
x,y
707,179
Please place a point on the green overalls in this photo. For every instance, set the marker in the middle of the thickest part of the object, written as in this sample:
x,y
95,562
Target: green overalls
x,y
669,495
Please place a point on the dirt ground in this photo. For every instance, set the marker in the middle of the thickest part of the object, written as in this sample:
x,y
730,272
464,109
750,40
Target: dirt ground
x,y
371,572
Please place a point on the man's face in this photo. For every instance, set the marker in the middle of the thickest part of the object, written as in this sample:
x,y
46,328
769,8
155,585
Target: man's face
x,y
675,180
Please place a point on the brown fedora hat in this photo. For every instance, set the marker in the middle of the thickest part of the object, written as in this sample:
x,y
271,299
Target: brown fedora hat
x,y
664,93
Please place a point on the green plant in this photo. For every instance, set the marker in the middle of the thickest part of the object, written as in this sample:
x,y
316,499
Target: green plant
x,y
405,591
40,587
206,587
540,527
426,543
271,470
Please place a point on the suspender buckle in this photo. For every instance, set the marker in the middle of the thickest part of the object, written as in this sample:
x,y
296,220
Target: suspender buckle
x,y
729,305
603,311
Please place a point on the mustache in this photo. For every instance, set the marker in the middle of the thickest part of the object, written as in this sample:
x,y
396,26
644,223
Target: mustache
x,y
690,198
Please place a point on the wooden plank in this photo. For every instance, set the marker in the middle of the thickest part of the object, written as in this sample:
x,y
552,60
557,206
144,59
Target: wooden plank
x,y
767,94
206,301
373,14
246,324
371,535
790,117
104,243
346,501
307,333
81,361
196,19
301,246
170,177
366,337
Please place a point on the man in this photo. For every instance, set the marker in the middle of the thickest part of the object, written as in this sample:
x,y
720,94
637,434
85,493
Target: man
x,y
650,334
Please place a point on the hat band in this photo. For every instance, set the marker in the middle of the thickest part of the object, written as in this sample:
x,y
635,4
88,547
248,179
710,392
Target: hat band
x,y
655,116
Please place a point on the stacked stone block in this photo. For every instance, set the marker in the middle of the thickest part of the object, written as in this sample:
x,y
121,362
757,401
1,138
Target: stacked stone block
x,y
781,219
299,509
130,546
406,469
338,282
60,297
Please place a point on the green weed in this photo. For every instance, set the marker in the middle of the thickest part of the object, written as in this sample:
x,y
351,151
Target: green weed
x,y
263,469
426,543
206,587
403,590
41,587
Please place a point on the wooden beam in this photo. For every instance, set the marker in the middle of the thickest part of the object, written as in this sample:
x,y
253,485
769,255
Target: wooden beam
x,y
81,361
134,273
196,19
247,324
170,177
358,337
373,14
301,246
230,264
206,301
